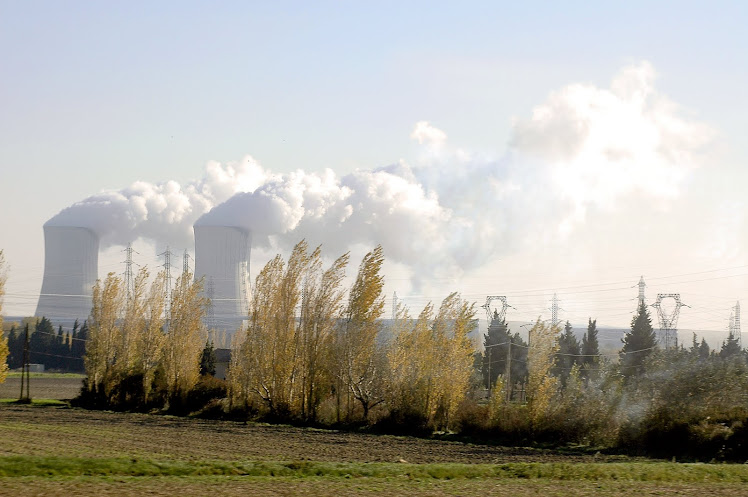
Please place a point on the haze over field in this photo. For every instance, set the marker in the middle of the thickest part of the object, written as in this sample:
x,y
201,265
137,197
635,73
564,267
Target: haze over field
x,y
570,154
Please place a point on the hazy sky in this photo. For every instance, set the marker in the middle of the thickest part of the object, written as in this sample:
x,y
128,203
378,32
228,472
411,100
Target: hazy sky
x,y
545,147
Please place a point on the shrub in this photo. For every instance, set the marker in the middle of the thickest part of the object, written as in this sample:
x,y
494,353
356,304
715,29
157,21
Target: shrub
x,y
207,389
403,422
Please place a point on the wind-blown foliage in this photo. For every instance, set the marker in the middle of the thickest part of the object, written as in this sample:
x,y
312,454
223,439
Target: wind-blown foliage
x,y
310,354
280,359
133,324
431,361
413,364
186,335
149,342
265,364
104,333
454,354
541,385
322,304
360,361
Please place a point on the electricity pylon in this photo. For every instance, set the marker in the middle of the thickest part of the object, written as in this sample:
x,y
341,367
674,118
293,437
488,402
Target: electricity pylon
x,y
500,312
668,336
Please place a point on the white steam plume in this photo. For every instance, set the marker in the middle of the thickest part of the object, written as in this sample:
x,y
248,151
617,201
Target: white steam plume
x,y
451,211
163,211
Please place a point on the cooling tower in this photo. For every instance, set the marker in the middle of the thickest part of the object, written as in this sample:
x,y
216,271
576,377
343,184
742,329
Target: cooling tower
x,y
71,258
222,259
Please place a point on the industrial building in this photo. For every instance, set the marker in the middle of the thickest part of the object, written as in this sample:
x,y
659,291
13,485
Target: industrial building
x,y
222,260
71,256
71,259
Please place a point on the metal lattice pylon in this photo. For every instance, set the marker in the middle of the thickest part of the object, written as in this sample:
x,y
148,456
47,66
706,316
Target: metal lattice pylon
x,y
128,271
186,262
554,310
500,311
668,336
394,306
167,271
642,286
734,328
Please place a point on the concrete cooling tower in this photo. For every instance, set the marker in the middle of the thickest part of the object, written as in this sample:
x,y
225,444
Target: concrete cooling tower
x,y
71,258
222,259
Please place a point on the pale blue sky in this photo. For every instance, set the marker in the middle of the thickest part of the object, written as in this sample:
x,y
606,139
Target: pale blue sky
x,y
96,95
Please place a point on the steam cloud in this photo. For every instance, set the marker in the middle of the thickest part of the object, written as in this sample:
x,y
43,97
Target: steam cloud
x,y
451,210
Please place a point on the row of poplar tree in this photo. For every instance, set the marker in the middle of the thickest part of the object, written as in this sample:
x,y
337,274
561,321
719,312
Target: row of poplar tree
x,y
142,341
307,341
315,351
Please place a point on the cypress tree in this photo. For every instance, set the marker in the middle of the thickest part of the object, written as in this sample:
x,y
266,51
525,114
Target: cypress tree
x,y
496,347
590,347
568,353
15,348
638,343
731,347
208,360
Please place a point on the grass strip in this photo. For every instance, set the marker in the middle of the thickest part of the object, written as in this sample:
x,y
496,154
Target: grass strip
x,y
17,374
16,466
38,402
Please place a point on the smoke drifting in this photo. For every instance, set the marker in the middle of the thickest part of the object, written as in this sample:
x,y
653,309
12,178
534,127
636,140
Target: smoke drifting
x,y
163,211
451,210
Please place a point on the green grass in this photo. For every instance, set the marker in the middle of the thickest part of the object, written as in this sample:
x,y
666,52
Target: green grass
x,y
17,374
46,466
38,402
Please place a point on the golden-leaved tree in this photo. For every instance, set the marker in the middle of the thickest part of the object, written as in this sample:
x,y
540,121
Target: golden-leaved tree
x,y
280,360
250,374
541,385
265,364
149,341
412,363
453,354
431,361
104,333
403,360
133,325
3,340
360,364
321,307
185,338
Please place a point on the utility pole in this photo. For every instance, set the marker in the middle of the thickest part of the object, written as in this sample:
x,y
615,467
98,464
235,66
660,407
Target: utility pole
x,y
508,373
25,368
490,383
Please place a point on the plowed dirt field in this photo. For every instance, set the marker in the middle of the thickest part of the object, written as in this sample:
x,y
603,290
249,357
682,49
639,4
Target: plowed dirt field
x,y
73,452
43,431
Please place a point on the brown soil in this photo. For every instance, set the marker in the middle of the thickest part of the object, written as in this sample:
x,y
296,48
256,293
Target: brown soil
x,y
43,388
42,431
29,430
231,486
